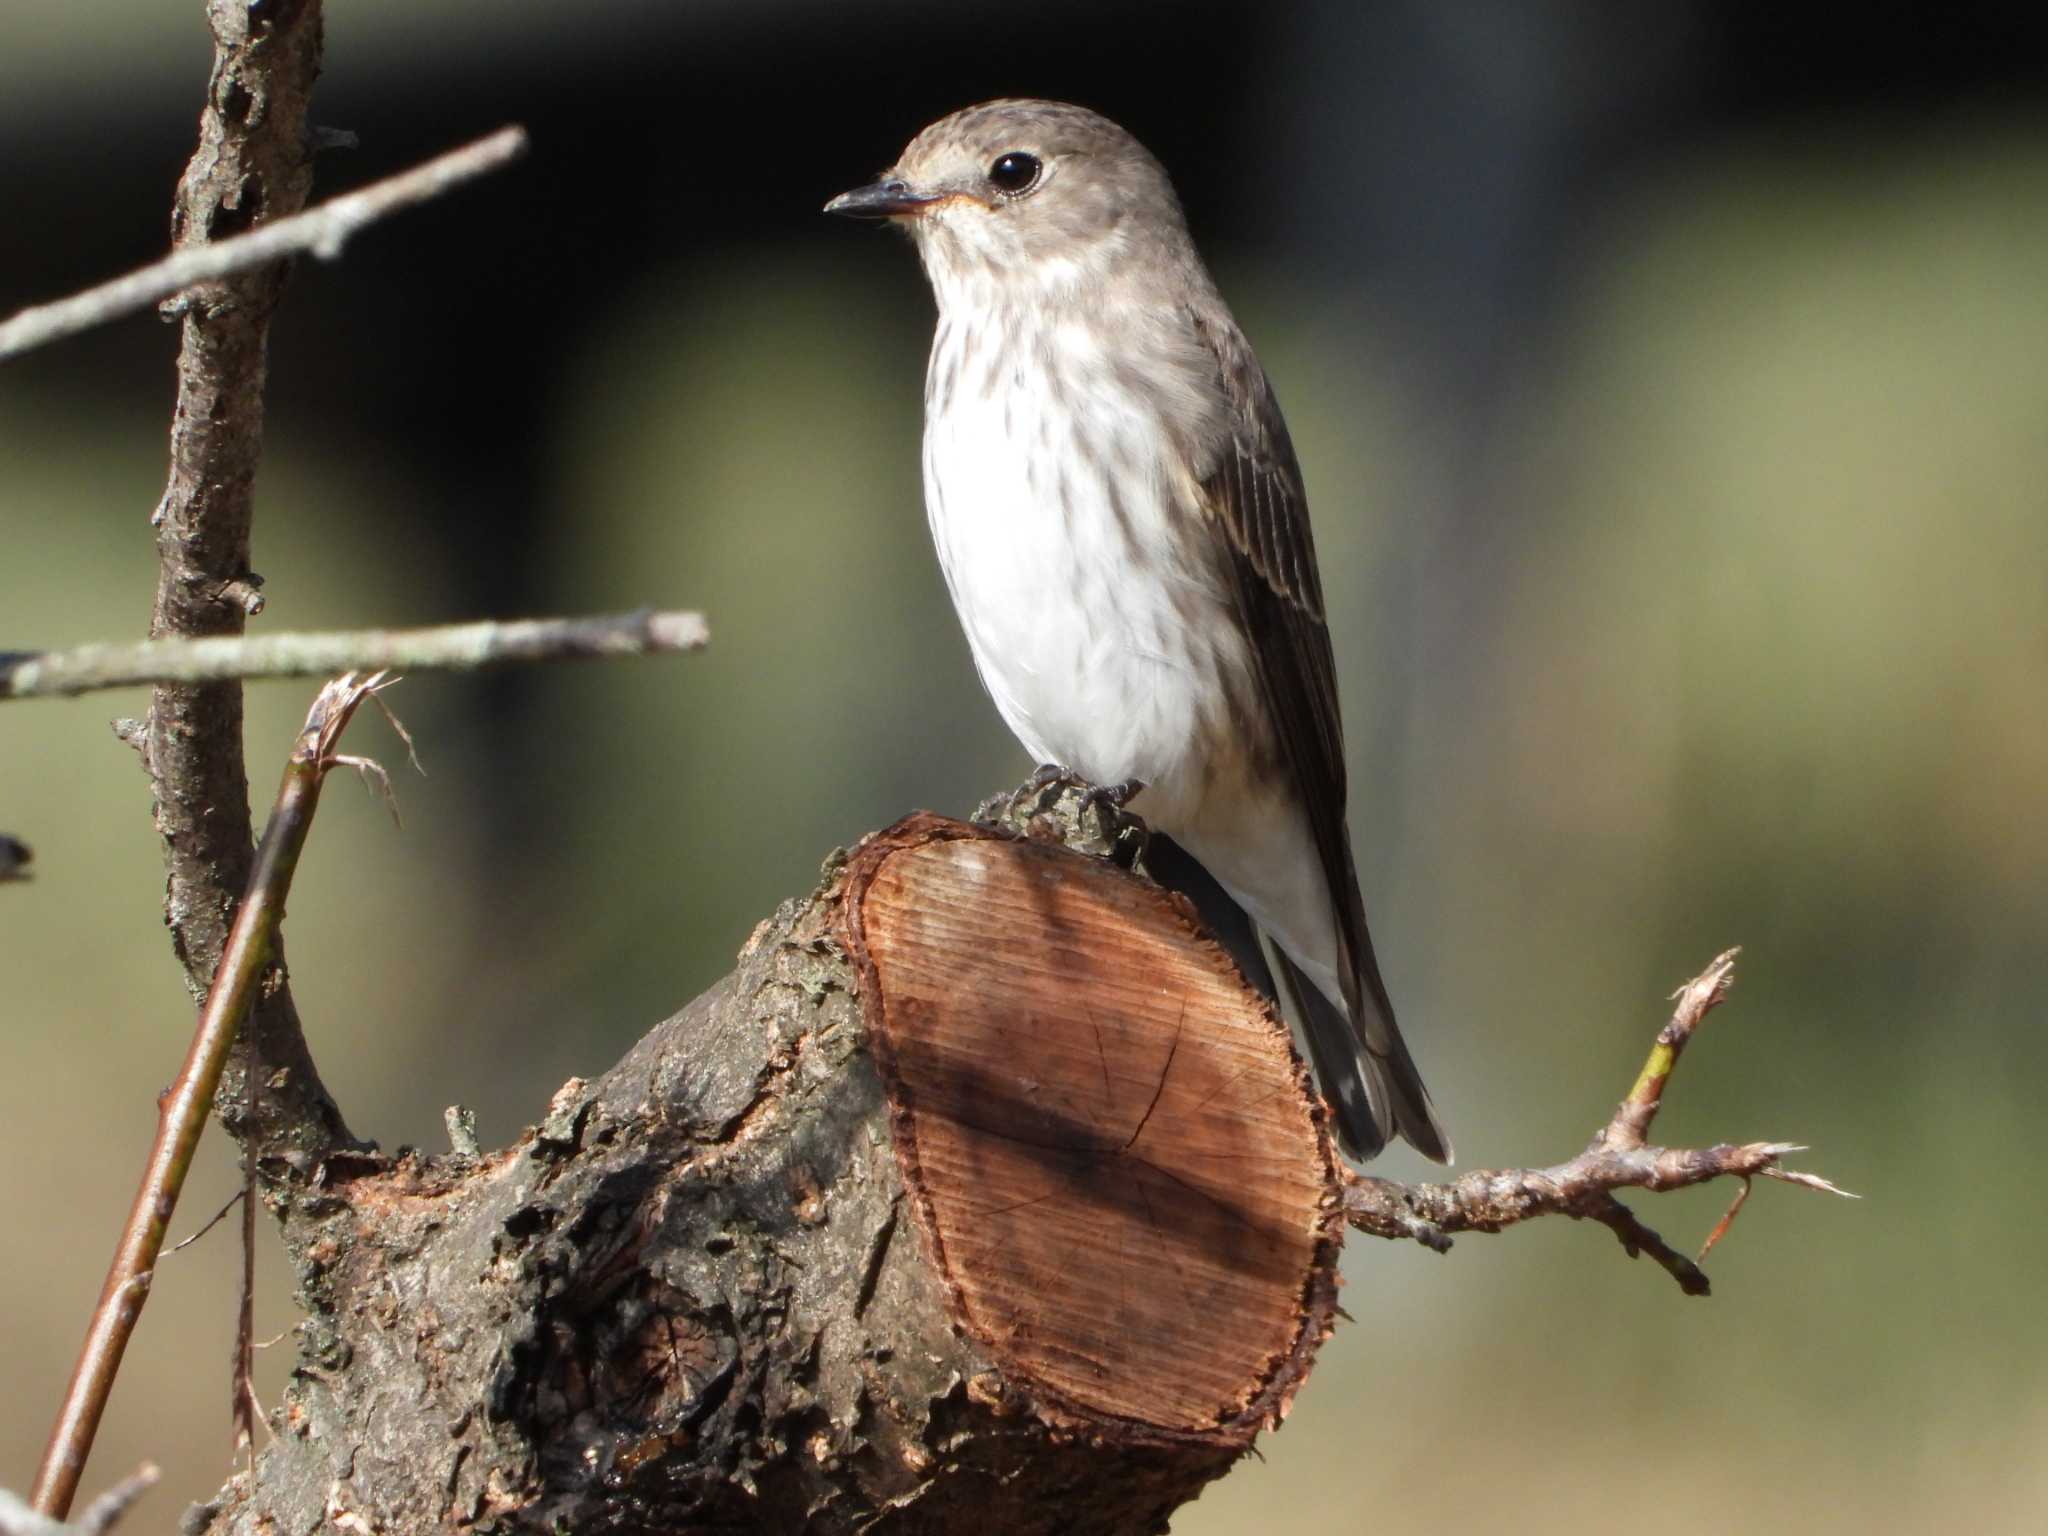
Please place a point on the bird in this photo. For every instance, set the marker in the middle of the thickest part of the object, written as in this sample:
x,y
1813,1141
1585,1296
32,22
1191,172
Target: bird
x,y
1123,528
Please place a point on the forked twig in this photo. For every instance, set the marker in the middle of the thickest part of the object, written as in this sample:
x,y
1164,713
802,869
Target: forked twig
x,y
1618,1157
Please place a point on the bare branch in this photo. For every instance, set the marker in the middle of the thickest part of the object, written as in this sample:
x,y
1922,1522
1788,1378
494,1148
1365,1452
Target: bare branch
x,y
1584,1188
322,231
102,1513
100,1516
250,170
446,647
182,1109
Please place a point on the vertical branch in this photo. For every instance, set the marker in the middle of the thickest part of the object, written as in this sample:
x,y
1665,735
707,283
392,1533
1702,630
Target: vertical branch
x,y
252,165
1699,997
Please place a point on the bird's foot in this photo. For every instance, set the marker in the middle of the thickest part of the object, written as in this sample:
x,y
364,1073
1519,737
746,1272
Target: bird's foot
x,y
1037,796
1056,805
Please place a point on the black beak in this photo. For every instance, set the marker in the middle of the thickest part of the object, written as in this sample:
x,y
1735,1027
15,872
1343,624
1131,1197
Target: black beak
x,y
889,198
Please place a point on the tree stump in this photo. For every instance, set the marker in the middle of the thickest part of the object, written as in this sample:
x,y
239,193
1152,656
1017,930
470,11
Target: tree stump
x,y
982,1194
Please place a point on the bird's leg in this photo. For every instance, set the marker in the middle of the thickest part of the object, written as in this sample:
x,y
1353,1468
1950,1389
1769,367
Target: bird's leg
x,y
1115,796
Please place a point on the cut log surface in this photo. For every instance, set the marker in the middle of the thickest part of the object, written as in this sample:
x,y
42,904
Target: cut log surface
x,y
1114,1154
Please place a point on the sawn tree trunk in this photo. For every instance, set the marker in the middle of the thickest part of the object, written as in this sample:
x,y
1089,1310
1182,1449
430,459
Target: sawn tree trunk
x,y
982,1195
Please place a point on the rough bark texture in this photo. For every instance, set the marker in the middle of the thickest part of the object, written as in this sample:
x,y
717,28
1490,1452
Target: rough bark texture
x,y
798,1264
252,165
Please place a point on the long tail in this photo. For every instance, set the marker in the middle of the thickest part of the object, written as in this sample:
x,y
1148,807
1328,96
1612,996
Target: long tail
x,y
1365,1072
1365,1069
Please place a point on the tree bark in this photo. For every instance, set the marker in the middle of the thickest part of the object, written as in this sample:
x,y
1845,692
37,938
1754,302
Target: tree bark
x,y
253,166
983,1193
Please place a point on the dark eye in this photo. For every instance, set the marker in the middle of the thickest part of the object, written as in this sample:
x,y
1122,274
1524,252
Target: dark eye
x,y
1015,172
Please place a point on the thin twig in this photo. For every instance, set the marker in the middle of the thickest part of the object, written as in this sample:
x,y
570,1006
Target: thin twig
x,y
99,1517
182,1109
1617,1158
322,231
444,647
207,1226
1727,1220
1696,999
245,1410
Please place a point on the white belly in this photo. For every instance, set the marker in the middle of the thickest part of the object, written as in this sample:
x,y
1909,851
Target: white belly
x,y
1096,624
1095,605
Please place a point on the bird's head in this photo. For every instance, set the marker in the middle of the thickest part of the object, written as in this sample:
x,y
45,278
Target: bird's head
x,y
1032,193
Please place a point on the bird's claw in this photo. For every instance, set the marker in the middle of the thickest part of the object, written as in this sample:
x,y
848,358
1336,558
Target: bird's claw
x,y
1056,805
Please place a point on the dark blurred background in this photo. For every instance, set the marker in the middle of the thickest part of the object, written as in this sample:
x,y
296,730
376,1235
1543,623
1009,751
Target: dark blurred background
x,y
1670,382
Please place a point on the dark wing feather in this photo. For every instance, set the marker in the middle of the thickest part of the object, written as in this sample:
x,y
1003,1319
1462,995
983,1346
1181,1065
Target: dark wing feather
x,y
1255,494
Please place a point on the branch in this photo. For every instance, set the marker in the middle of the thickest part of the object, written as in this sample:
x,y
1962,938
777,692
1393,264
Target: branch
x,y
982,1146
983,1195
252,168
181,1112
322,231
100,1516
445,647
1617,1158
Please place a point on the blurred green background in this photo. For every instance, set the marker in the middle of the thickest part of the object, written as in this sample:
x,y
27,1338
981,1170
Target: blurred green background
x,y
1672,388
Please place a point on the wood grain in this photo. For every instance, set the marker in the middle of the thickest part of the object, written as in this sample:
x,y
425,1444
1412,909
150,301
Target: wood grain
x,y
1117,1159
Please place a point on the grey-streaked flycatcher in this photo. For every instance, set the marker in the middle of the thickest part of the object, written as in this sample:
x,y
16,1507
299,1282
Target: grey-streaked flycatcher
x,y
1122,525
